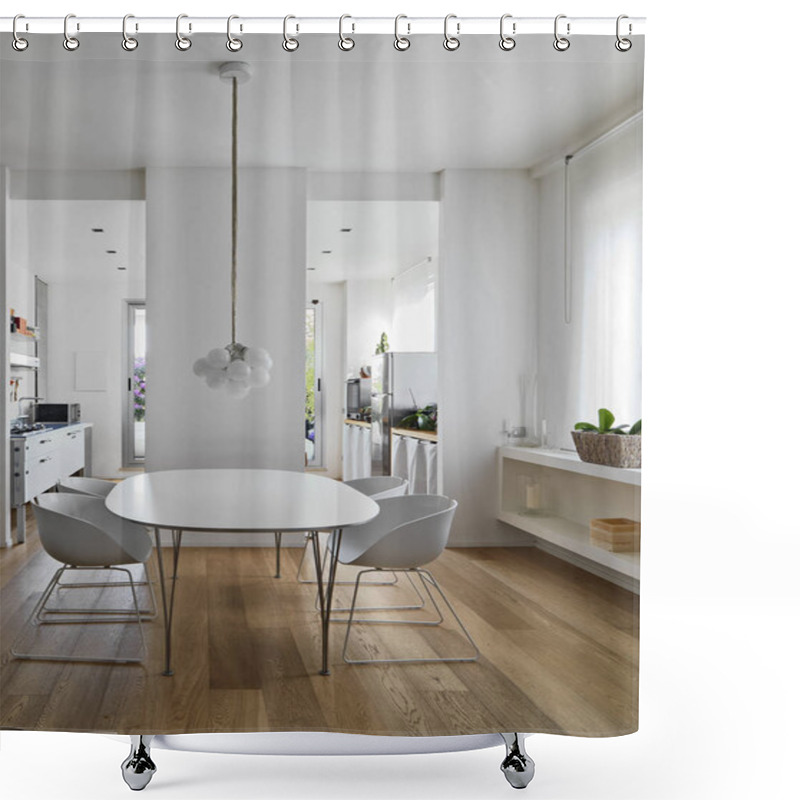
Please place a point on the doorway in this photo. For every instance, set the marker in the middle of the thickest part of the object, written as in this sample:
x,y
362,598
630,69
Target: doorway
x,y
134,406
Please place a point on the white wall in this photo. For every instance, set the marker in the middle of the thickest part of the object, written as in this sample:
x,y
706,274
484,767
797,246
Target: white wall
x,y
92,318
595,361
485,336
414,308
369,313
5,539
188,313
331,298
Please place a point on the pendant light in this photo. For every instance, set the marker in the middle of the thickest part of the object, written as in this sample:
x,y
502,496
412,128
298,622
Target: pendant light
x,y
234,368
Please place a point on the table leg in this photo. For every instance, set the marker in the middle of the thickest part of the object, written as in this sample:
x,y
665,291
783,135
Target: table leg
x,y
325,593
177,536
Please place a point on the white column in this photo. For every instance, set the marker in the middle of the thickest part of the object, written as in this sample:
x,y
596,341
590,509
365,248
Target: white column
x,y
188,313
486,330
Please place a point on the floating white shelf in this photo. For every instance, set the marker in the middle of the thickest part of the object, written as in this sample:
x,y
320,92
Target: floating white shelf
x,y
565,460
582,500
575,538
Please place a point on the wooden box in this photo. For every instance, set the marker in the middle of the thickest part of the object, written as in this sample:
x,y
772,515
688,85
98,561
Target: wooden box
x,y
618,534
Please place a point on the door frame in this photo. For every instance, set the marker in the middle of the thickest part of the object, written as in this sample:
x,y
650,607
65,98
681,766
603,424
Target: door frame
x,y
129,461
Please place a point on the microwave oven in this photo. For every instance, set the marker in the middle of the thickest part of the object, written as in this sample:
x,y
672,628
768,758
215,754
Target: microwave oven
x,y
68,413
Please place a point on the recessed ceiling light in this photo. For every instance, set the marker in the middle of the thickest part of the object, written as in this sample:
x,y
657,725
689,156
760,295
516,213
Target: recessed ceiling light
x,y
97,230
326,252
111,252
345,230
122,268
311,269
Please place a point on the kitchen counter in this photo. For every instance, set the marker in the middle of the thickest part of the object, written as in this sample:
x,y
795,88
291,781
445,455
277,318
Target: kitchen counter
x,y
428,436
52,426
360,422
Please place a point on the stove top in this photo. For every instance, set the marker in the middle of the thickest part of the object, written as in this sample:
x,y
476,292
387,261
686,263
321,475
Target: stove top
x,y
25,428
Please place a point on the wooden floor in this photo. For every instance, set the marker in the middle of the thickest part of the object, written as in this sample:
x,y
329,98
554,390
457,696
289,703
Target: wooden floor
x,y
559,651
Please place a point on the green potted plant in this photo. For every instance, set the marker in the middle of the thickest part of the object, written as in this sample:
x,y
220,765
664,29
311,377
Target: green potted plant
x,y
423,419
609,444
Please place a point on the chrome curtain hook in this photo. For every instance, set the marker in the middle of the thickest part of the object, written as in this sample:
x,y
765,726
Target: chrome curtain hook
x,y
451,42
401,42
290,43
129,42
70,42
561,43
182,42
233,44
345,42
507,42
18,43
622,44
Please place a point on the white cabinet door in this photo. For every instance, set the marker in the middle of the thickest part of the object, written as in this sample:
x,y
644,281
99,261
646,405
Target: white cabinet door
x,y
71,453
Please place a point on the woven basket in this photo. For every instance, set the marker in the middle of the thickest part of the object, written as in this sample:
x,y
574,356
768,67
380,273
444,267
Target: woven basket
x,y
609,449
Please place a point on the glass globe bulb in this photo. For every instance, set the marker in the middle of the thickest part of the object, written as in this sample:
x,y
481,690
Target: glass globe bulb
x,y
256,356
200,367
238,371
218,357
259,377
215,379
237,389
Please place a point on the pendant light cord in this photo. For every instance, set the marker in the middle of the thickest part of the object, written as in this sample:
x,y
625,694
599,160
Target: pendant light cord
x,y
234,202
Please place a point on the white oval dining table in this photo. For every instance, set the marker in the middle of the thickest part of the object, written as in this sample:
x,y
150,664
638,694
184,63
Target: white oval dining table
x,y
235,501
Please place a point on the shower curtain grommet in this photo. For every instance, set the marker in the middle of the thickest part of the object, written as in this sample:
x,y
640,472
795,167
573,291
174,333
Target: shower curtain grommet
x,y
129,43
401,43
70,43
561,43
346,43
233,44
450,42
17,42
290,43
182,43
507,42
623,44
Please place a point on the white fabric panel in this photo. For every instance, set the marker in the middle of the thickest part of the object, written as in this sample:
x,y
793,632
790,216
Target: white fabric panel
x,y
356,457
399,456
431,465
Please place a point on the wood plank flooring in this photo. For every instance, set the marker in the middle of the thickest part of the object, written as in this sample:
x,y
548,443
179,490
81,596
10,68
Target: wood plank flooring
x,y
559,653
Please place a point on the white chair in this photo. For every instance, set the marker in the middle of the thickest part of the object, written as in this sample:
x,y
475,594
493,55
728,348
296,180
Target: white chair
x,y
81,533
95,487
377,487
408,533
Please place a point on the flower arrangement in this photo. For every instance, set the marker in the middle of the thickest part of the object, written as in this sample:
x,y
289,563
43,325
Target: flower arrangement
x,y
139,385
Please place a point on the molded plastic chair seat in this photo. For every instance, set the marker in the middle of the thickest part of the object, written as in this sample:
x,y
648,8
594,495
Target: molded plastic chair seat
x,y
409,532
80,532
91,486
378,488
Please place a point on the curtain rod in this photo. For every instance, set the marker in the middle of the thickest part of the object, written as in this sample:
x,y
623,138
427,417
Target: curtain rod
x,y
461,26
557,161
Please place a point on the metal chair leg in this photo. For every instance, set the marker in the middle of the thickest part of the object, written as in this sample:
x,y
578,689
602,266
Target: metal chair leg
x,y
427,581
278,537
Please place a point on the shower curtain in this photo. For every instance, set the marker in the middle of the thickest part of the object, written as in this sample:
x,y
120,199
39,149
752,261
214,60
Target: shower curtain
x,y
331,195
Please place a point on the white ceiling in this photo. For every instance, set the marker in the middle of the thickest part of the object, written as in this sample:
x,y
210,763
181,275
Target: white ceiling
x,y
56,240
380,238
370,110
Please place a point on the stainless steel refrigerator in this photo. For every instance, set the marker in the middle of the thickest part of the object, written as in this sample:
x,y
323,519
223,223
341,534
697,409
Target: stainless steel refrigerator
x,y
401,383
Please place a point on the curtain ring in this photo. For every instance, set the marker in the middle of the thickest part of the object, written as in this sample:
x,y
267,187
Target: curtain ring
x,y
345,42
129,43
561,43
70,42
182,42
18,43
290,44
507,42
623,45
401,42
451,42
233,44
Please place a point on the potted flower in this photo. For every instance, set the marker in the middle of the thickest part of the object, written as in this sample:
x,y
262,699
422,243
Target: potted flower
x,y
607,443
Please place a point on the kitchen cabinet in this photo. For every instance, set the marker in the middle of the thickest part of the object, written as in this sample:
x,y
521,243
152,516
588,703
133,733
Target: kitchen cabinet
x,y
356,450
40,460
415,457
553,495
